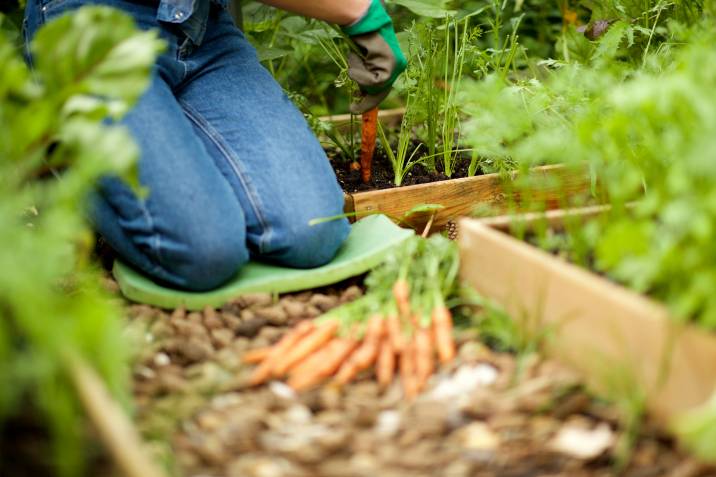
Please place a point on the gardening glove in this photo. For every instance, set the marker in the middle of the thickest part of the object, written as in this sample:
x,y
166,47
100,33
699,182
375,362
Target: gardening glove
x,y
381,61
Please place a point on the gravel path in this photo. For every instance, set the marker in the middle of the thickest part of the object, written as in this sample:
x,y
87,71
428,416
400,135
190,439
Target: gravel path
x,y
488,414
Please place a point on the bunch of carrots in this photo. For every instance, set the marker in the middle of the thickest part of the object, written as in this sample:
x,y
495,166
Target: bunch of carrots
x,y
402,325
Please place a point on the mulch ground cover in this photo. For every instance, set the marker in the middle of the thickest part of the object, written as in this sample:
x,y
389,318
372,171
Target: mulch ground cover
x,y
487,414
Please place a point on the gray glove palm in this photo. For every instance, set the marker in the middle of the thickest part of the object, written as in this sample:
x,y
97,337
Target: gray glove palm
x,y
382,61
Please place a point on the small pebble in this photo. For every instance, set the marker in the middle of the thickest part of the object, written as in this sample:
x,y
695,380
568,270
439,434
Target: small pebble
x,y
247,315
255,300
282,390
212,321
323,302
222,337
478,436
351,293
294,309
251,327
388,424
195,317
274,315
197,349
231,321
178,314
161,359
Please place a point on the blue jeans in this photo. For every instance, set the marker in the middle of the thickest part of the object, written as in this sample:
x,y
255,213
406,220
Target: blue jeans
x,y
232,168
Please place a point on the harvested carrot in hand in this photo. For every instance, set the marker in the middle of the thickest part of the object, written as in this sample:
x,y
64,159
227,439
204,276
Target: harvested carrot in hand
x,y
385,366
367,144
326,362
442,327
263,372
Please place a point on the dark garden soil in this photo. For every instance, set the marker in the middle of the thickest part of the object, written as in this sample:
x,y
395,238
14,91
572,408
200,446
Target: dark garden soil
x,y
383,176
487,414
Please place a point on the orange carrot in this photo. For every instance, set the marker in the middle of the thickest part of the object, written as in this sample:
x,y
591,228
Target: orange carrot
x,y
361,359
312,361
326,363
366,354
257,355
367,143
395,333
407,371
424,364
303,348
442,327
385,367
375,329
263,372
401,293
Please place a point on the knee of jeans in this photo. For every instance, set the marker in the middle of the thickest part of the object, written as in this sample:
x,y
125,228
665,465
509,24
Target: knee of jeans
x,y
206,263
309,246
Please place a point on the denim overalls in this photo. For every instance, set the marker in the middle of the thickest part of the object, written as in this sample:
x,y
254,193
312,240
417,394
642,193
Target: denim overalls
x,y
232,168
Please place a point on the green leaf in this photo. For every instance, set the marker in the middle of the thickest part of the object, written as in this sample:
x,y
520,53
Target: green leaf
x,y
697,429
266,53
91,65
608,45
427,8
73,53
423,208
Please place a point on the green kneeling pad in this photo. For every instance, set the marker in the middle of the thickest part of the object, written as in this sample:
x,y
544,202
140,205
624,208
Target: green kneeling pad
x,y
369,242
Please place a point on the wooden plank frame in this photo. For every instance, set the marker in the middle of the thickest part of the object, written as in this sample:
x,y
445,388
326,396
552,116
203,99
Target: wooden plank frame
x,y
460,196
599,328
388,117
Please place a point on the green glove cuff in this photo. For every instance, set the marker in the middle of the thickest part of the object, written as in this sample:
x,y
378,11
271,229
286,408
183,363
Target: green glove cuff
x,y
376,19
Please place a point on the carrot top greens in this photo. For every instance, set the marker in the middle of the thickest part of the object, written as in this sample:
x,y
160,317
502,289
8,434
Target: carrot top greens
x,y
401,322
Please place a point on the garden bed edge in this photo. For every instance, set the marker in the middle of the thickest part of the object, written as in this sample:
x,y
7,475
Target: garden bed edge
x,y
598,327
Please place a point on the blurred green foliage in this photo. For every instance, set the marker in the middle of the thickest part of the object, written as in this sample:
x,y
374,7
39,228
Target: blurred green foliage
x,y
646,128
89,66
632,100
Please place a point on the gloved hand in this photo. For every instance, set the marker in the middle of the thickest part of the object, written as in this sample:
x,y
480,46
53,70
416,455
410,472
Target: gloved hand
x,y
382,61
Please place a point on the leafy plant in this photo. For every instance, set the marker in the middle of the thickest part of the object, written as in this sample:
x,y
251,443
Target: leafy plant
x,y
89,66
638,109
424,64
456,48
402,160
649,140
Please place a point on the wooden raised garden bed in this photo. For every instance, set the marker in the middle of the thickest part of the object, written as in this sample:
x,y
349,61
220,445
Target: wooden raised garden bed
x,y
459,197
389,118
598,327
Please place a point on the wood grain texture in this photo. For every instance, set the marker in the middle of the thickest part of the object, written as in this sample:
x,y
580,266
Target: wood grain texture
x,y
555,218
597,327
348,207
461,196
